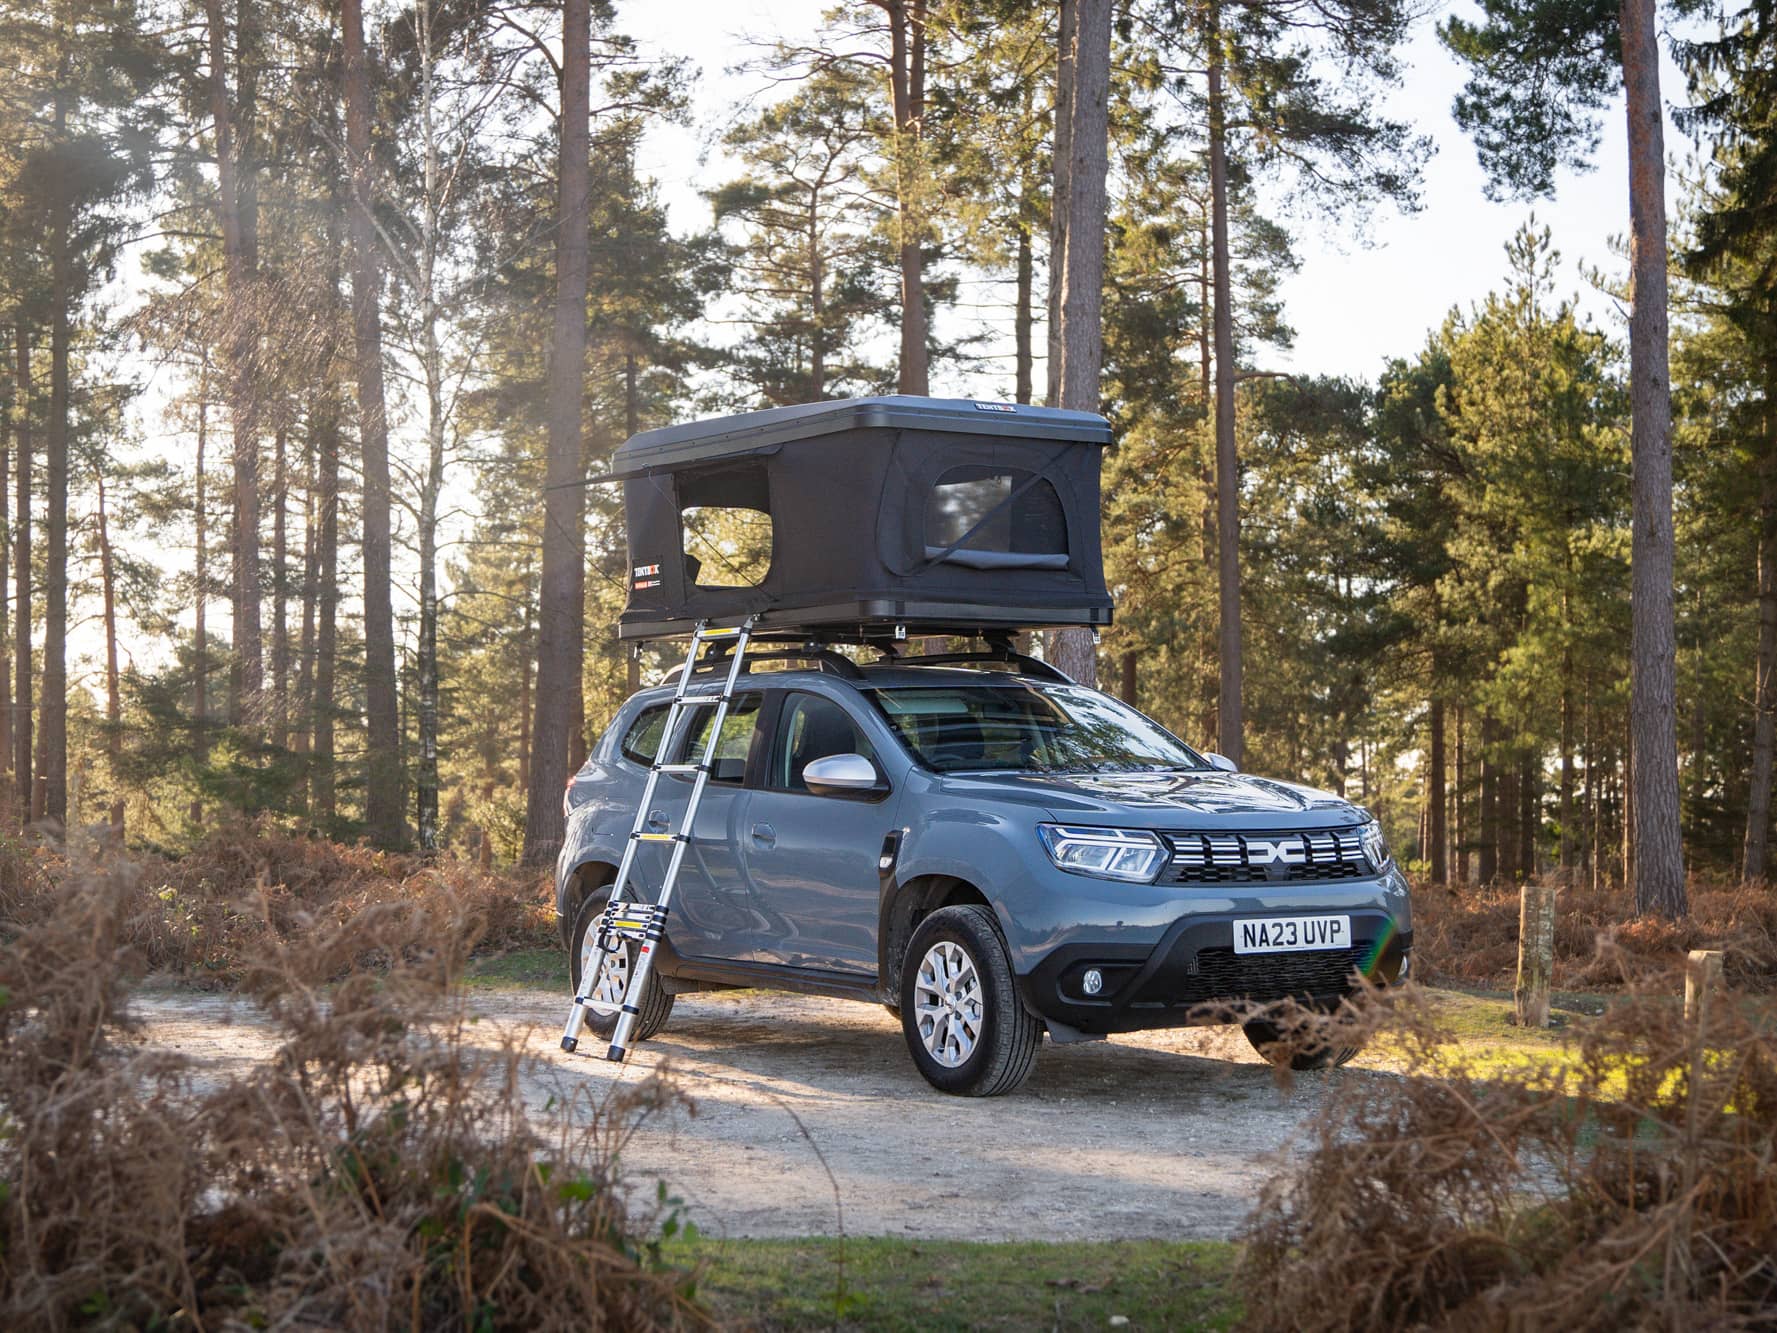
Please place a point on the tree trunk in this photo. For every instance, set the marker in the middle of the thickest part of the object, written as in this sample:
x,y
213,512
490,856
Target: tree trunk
x,y
1434,797
322,801
1529,816
1082,275
1488,866
1461,802
558,616
382,797
21,552
1659,854
432,481
1131,659
302,702
817,302
5,639
1754,861
907,45
238,341
113,692
53,733
200,656
525,657
280,587
1022,316
1231,720
1066,40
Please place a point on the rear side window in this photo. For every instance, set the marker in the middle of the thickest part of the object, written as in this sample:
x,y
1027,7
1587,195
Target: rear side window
x,y
732,747
642,741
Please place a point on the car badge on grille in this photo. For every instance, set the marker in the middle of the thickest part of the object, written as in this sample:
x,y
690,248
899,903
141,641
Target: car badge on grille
x,y
1281,852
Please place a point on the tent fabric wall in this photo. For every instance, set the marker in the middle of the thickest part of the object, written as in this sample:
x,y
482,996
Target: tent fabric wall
x,y
849,487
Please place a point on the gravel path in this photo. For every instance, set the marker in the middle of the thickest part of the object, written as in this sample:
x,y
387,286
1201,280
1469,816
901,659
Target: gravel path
x,y
1163,1135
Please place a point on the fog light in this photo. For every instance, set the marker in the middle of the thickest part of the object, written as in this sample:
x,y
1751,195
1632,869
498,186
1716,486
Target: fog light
x,y
1092,982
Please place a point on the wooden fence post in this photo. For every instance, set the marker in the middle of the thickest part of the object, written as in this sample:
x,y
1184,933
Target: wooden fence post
x,y
1702,974
1536,954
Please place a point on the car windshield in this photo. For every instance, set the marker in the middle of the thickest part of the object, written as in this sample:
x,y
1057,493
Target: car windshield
x,y
1029,729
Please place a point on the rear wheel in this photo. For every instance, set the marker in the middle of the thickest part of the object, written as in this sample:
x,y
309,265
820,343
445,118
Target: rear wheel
x,y
607,988
1268,1041
965,1026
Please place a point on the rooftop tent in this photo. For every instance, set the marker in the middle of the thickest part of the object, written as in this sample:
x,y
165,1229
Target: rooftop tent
x,y
857,516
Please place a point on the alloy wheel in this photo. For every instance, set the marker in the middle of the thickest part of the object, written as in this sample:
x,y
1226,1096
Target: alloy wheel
x,y
947,1002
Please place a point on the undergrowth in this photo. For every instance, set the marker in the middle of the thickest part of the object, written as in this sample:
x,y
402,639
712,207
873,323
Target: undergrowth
x,y
379,1172
1465,933
1633,1185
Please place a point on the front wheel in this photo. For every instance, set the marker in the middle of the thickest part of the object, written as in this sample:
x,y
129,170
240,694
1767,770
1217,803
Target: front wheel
x,y
960,1012
655,1005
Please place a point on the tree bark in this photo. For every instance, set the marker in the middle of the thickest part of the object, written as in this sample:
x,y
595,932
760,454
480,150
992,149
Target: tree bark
x,y
22,664
200,656
238,341
1082,276
6,409
1022,317
50,797
302,701
1754,860
1659,853
1460,804
1230,714
1529,816
113,692
1067,36
382,798
1488,867
280,588
558,616
1434,797
322,801
907,45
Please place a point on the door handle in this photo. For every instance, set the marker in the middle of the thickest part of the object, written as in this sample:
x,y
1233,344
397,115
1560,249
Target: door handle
x,y
657,820
764,835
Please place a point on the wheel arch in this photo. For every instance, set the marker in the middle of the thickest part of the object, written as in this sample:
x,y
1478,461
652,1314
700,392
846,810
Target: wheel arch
x,y
905,908
582,882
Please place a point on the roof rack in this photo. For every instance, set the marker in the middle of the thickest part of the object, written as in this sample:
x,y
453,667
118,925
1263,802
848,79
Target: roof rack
x,y
818,647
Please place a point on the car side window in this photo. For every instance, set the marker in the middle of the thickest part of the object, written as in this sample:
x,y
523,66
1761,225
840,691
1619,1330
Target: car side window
x,y
810,728
729,764
642,741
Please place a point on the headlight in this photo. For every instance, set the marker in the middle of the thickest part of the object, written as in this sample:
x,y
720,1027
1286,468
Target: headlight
x,y
1375,845
1107,853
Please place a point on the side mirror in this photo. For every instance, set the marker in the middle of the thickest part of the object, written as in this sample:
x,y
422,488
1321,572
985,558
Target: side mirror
x,y
843,775
1220,762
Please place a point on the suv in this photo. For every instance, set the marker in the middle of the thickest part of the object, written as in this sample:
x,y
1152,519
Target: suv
x,y
988,853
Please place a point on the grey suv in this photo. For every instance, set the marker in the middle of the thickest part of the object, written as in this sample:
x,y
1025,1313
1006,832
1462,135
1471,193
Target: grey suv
x,y
988,853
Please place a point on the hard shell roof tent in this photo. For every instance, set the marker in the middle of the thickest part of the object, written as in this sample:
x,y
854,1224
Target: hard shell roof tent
x,y
866,517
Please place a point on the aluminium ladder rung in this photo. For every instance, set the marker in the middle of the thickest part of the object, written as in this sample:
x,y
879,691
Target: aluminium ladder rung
x,y
645,924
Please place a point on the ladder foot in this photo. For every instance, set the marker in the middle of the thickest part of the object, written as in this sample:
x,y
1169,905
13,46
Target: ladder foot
x,y
616,1054
569,1043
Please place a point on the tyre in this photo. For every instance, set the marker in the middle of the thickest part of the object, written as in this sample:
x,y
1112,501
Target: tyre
x,y
967,1030
656,1005
1265,1038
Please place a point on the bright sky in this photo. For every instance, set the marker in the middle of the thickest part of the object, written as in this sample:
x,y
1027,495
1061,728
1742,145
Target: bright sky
x,y
1354,302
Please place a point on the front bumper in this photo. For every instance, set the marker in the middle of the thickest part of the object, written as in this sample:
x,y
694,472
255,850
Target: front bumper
x,y
1194,965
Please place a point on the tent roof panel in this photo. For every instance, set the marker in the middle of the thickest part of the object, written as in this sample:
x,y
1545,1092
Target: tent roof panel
x,y
697,442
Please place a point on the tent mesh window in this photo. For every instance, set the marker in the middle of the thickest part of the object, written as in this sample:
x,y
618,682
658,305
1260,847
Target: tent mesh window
x,y
996,518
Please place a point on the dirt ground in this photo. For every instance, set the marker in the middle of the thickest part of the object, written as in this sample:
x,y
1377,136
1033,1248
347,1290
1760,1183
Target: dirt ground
x,y
1158,1135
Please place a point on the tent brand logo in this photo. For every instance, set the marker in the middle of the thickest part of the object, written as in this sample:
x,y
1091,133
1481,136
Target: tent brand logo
x,y
643,571
1283,851
995,407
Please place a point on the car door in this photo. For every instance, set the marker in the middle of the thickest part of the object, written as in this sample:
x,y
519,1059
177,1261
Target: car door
x,y
710,914
811,860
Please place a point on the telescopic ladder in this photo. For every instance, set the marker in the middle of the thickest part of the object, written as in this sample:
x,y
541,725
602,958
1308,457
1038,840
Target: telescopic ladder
x,y
642,922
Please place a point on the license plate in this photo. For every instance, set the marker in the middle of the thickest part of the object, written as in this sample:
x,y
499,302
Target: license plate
x,y
1290,934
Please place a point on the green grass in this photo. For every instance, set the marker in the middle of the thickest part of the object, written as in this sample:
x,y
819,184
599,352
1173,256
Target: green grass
x,y
906,1284
519,969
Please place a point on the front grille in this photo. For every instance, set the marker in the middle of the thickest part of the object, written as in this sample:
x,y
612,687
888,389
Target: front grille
x,y
1266,858
1222,974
